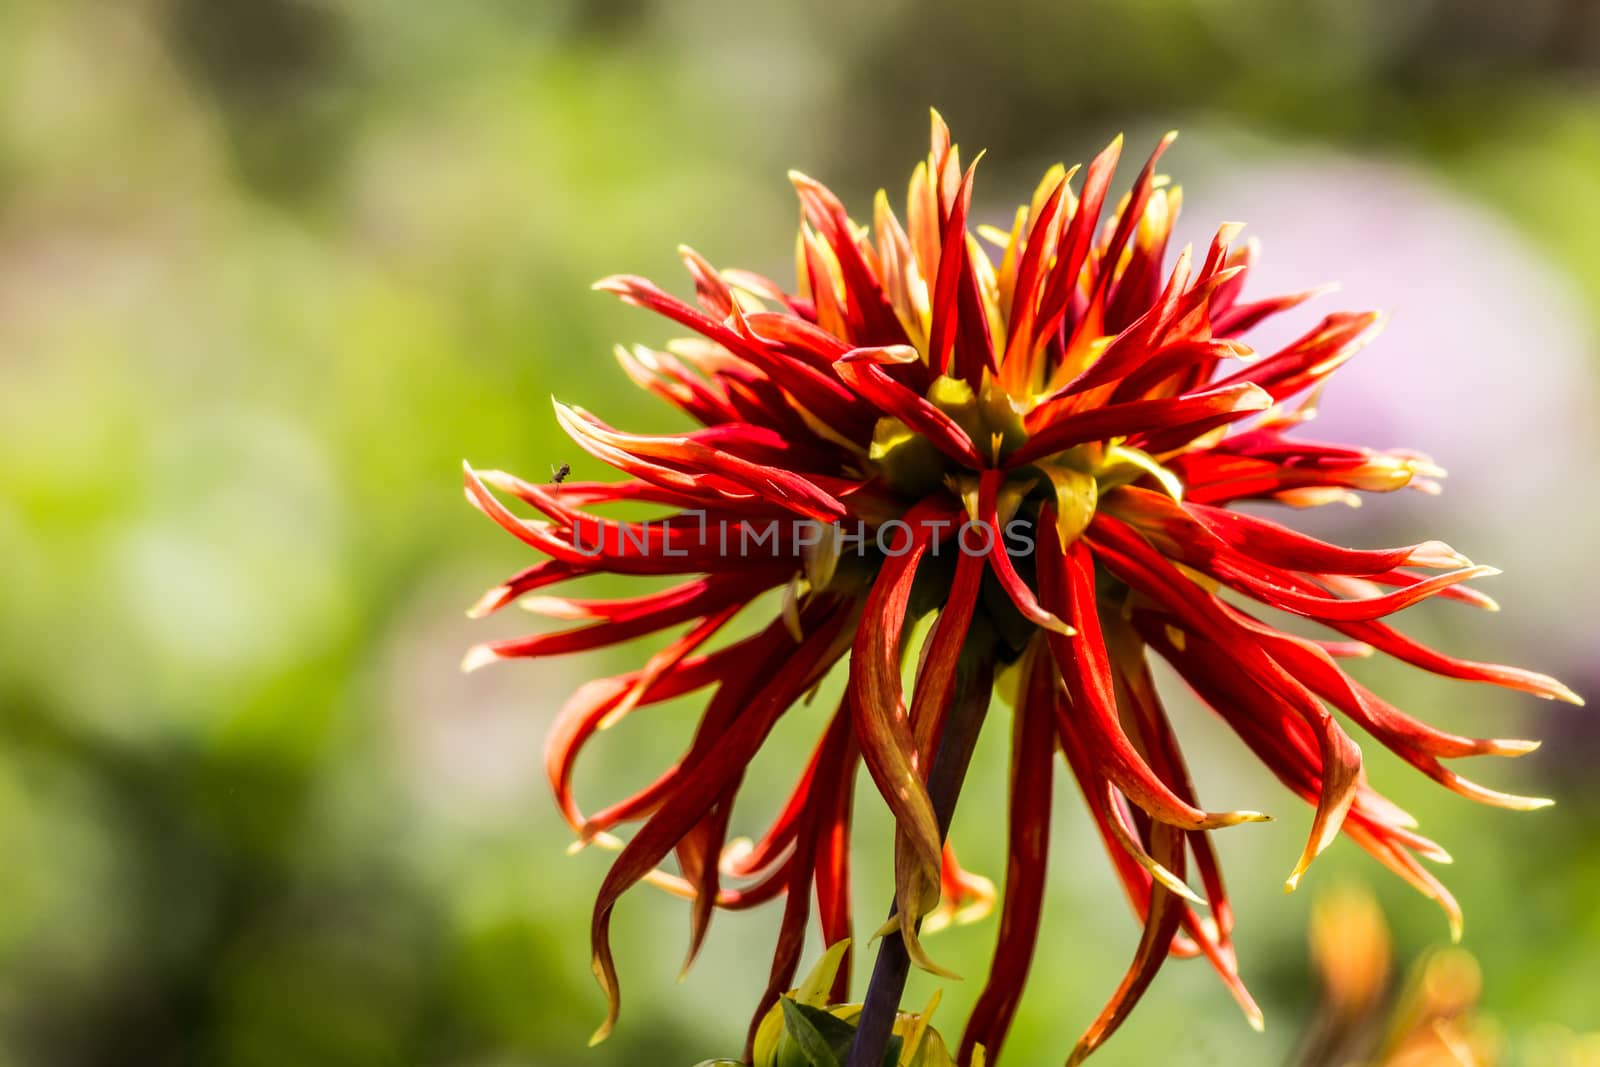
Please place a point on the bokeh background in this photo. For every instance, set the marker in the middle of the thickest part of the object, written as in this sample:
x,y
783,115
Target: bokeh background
x,y
270,269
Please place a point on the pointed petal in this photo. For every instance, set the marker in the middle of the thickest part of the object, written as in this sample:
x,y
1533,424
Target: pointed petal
x,y
1197,412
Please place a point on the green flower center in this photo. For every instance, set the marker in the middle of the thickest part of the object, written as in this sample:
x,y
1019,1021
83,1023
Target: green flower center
x,y
911,465
1072,480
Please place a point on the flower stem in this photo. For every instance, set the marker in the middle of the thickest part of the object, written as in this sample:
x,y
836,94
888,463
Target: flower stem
x,y
968,706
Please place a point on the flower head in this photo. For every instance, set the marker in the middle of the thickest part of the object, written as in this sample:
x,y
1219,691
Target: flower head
x,y
1039,450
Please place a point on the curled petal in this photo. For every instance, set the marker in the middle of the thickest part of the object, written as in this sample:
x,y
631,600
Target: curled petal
x,y
884,731
1198,412
936,679
1085,668
1027,856
1311,358
706,596
603,702
871,318
1000,559
863,368
1072,249
1277,545
787,487
1274,692
720,767
833,761
1390,642
1161,925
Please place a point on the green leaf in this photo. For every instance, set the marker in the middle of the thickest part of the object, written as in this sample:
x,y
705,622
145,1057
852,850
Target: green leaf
x,y
822,1038
805,1025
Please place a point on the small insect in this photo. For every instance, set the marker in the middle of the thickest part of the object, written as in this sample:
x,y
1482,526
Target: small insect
x,y
559,474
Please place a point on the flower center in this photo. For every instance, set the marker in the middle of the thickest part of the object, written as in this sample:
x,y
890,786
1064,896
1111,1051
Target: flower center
x,y
1072,480
912,466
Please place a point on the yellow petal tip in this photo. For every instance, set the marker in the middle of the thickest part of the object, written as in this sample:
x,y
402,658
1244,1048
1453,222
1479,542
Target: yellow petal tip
x,y
1254,398
1235,818
477,656
487,603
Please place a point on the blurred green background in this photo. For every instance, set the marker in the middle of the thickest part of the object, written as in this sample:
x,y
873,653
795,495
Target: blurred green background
x,y
270,269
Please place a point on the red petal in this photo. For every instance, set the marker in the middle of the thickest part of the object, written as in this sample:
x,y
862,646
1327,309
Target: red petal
x,y
863,369
936,679
1195,413
872,320
1021,595
1073,248
1027,857
1069,585
1161,924
1025,293
1275,693
881,725
1311,358
722,763
945,323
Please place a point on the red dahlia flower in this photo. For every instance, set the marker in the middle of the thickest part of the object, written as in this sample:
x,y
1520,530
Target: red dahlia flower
x,y
1041,451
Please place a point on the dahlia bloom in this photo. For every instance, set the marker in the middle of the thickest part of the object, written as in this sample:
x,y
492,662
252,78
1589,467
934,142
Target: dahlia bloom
x,y
1038,453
